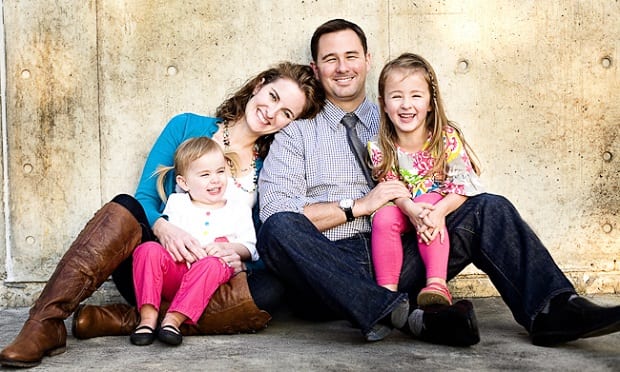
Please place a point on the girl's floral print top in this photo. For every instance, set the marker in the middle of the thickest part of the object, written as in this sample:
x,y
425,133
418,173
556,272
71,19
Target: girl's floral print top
x,y
414,168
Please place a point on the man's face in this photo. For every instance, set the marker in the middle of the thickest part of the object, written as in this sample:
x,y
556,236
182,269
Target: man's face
x,y
342,66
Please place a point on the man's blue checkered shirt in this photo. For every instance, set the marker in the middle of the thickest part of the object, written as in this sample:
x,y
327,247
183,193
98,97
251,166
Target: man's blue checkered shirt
x,y
310,162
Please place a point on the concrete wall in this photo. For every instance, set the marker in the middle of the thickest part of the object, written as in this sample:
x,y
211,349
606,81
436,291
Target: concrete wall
x,y
90,84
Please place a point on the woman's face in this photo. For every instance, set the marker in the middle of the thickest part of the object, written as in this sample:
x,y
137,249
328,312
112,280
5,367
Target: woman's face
x,y
274,106
407,101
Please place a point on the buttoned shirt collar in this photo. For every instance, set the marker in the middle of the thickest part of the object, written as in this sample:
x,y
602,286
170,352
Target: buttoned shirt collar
x,y
334,114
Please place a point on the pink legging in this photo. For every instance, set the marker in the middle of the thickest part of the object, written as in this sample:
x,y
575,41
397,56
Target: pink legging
x,y
388,224
156,275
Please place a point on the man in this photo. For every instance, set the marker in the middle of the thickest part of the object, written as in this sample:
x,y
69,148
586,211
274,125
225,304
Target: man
x,y
316,202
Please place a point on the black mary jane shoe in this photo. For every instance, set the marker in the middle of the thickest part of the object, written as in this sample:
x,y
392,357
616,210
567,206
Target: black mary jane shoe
x,y
170,335
142,338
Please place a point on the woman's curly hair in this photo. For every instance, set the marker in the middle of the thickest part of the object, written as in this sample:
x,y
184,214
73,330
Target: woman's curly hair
x,y
233,108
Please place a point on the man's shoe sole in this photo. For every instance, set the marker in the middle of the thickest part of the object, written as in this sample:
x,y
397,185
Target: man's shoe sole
x,y
559,337
378,333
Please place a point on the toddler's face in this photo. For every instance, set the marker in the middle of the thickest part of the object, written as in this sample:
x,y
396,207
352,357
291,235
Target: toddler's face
x,y
205,179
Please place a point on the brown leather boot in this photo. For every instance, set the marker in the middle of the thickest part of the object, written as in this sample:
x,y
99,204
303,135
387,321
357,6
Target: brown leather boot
x,y
106,240
109,320
231,310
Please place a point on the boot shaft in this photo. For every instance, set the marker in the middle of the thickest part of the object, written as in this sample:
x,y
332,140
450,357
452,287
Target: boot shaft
x,y
106,240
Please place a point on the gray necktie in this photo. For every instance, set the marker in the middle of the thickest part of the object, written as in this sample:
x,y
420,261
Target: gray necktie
x,y
349,121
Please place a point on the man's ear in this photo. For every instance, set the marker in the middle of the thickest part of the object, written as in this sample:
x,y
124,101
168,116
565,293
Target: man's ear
x,y
181,182
315,69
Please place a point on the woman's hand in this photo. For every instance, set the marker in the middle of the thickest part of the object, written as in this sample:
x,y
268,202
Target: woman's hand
x,y
227,253
179,243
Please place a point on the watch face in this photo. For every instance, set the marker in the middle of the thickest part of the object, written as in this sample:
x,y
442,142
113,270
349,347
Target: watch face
x,y
346,203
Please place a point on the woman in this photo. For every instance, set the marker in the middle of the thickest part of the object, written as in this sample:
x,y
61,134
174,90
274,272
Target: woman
x,y
244,126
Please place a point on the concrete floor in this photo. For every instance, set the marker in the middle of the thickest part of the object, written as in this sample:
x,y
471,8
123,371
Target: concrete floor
x,y
289,344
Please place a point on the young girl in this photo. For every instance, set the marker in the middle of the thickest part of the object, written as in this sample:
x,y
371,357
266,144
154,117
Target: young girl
x,y
217,222
420,146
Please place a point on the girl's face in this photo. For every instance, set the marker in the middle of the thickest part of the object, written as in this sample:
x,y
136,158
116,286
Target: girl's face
x,y
205,179
407,101
274,106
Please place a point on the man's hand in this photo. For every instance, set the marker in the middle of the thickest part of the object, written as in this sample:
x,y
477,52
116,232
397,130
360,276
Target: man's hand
x,y
381,195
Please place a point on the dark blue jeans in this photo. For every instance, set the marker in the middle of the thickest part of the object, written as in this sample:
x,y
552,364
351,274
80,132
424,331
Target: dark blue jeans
x,y
325,279
334,279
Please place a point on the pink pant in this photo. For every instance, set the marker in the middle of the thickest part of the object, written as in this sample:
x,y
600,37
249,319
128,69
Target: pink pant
x,y
156,275
388,224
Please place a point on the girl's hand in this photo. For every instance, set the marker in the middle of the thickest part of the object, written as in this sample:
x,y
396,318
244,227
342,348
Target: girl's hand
x,y
180,244
438,223
418,214
435,220
226,253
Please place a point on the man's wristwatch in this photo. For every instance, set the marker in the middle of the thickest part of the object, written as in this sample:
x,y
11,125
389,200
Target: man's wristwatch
x,y
347,207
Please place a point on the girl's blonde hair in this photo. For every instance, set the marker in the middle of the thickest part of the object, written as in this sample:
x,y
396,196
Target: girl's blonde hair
x,y
436,120
185,154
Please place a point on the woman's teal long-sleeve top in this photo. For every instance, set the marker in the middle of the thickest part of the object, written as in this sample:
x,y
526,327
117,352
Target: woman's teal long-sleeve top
x,y
178,129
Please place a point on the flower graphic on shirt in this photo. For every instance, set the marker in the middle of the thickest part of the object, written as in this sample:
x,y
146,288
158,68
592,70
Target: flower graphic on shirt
x,y
376,156
391,175
465,159
452,188
451,144
423,161
411,178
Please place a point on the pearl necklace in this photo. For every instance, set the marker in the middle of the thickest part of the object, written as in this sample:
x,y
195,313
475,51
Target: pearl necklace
x,y
233,171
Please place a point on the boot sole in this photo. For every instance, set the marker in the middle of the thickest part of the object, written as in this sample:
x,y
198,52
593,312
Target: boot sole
x,y
76,315
17,363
